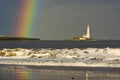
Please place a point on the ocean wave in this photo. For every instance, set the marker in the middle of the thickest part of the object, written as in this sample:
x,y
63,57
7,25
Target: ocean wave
x,y
64,57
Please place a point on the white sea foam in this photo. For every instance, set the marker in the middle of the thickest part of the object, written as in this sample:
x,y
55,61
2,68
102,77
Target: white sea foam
x,y
105,57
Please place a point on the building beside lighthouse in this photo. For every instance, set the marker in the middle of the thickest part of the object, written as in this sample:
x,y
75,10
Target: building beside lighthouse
x,y
86,36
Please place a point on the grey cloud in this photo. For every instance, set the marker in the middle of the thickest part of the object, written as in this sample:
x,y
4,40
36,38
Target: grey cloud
x,y
61,22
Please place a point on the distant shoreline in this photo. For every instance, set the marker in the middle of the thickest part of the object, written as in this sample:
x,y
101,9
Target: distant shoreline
x,y
17,38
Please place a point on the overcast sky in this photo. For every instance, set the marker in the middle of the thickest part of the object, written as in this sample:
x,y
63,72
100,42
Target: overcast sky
x,y
63,19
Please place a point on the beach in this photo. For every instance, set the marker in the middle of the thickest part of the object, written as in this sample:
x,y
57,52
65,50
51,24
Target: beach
x,y
15,72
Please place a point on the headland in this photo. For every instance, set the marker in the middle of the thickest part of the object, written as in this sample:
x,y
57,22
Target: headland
x,y
17,38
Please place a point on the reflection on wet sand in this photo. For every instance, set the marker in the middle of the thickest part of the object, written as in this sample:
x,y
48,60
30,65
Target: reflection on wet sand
x,y
25,73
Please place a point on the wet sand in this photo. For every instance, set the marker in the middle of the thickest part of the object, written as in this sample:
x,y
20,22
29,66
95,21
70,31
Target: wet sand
x,y
15,72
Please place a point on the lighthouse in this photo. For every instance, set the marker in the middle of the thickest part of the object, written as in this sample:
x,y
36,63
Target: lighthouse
x,y
88,32
86,36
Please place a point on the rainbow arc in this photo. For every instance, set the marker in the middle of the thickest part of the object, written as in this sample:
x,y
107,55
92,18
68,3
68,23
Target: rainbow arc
x,y
27,17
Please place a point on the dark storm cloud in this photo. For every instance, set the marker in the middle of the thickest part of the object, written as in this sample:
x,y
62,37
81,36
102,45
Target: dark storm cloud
x,y
63,19
8,14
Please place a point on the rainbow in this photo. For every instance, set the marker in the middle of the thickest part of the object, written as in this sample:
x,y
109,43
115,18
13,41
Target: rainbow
x,y
20,74
26,17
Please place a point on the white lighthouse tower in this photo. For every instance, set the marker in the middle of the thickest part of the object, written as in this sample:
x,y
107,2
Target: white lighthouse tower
x,y
88,32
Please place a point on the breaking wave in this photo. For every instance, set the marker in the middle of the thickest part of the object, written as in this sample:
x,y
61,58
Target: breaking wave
x,y
106,57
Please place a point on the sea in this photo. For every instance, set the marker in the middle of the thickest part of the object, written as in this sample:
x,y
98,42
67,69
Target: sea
x,y
59,44
19,72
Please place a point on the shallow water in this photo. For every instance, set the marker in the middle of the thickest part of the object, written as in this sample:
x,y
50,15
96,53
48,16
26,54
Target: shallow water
x,y
59,73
